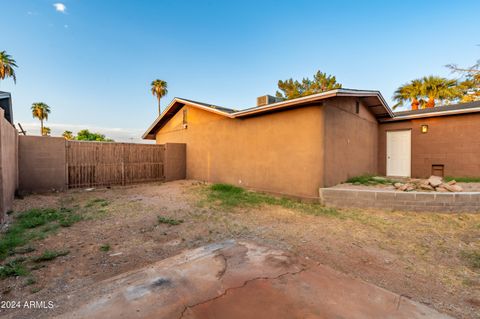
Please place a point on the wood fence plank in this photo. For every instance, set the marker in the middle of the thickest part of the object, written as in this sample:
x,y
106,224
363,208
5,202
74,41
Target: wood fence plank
x,y
91,164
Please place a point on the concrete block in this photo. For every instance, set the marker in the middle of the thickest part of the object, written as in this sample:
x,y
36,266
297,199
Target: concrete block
x,y
405,196
426,197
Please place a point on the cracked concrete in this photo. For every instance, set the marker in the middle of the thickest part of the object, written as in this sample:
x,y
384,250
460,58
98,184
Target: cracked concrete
x,y
238,280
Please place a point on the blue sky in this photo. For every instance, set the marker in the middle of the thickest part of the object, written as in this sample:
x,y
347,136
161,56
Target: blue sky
x,y
93,62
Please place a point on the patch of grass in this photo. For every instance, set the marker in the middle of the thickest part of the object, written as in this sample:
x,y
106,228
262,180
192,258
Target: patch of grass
x,y
34,224
472,258
13,268
105,247
463,179
231,196
23,250
169,221
35,289
50,255
30,281
97,201
369,180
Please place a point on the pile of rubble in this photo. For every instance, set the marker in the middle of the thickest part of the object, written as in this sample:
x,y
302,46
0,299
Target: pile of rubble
x,y
434,184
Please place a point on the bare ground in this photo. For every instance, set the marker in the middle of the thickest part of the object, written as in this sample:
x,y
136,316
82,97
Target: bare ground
x,y
417,255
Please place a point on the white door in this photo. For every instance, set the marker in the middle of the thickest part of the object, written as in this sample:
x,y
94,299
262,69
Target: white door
x,y
399,153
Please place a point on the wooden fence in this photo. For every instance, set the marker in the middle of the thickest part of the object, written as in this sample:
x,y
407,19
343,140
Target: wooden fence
x,y
103,164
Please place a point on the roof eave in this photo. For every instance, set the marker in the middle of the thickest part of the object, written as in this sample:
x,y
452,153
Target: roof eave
x,y
151,136
433,114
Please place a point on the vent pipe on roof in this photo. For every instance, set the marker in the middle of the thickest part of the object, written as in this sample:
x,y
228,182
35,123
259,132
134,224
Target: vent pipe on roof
x,y
268,99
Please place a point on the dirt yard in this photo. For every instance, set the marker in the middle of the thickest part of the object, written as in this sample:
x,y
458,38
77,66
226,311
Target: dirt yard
x,y
430,258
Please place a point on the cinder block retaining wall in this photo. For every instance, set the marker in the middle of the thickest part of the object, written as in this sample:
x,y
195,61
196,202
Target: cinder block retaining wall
x,y
405,201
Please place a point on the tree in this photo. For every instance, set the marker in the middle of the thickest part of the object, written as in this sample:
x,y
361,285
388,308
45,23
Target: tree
x,y
321,82
7,65
427,91
40,111
86,135
471,81
68,135
436,88
46,131
409,92
159,90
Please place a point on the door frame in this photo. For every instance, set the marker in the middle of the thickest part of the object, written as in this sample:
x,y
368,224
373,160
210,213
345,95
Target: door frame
x,y
386,151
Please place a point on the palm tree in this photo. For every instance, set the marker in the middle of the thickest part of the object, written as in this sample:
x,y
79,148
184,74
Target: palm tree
x,y
7,65
438,88
46,131
40,111
68,135
409,92
159,89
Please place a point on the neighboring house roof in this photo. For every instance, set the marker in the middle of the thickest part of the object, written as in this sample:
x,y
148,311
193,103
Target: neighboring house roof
x,y
6,105
444,110
372,99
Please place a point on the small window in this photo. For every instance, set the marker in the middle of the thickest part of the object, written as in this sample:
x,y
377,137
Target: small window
x,y
357,107
185,111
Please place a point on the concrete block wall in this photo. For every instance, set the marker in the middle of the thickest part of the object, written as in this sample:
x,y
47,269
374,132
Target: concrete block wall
x,y
42,164
401,201
8,165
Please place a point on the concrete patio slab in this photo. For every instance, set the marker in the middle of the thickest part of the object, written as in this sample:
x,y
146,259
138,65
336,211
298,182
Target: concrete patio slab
x,y
238,280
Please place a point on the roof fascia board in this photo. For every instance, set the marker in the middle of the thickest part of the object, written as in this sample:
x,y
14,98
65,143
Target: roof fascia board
x,y
433,114
283,104
179,100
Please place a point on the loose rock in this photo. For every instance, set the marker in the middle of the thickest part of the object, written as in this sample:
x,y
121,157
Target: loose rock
x,y
435,181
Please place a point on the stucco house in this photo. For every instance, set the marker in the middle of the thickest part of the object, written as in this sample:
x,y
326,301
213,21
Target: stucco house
x,y
296,146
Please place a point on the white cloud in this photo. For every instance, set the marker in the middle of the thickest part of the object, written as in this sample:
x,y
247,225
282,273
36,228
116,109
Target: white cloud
x,y
60,7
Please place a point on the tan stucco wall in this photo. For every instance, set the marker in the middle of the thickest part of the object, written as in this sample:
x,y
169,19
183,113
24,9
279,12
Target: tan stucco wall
x,y
350,140
175,165
8,165
453,141
42,164
279,152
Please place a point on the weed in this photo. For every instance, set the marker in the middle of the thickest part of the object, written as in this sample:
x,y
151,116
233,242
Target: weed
x,y
12,268
232,196
69,220
169,221
472,258
50,255
23,250
30,281
34,224
369,180
463,179
105,247
97,201
35,290
37,266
